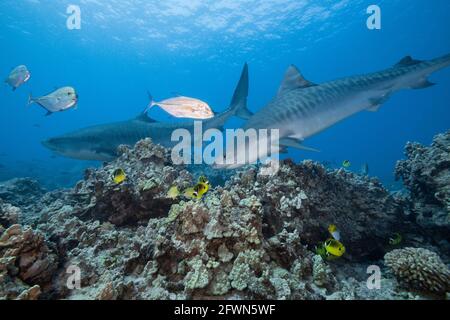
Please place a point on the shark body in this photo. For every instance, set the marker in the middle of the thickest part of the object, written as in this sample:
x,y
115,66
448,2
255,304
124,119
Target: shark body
x,y
101,142
302,109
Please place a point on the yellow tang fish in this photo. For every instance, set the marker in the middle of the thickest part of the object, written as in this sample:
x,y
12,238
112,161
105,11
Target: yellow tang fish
x,y
334,247
119,176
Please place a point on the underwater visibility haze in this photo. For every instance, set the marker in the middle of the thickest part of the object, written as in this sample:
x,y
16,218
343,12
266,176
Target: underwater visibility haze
x,y
358,89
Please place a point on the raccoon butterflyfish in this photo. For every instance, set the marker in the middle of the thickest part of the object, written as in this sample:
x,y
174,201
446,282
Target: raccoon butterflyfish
x,y
334,247
396,239
173,192
199,190
119,176
346,163
332,229
202,179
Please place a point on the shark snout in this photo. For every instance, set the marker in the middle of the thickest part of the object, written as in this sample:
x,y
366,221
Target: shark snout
x,y
50,144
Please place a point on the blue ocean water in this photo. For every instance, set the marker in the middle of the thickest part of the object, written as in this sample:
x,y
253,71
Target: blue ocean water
x,y
197,48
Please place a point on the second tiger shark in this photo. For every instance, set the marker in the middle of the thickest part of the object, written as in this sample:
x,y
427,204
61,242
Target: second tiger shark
x,y
302,108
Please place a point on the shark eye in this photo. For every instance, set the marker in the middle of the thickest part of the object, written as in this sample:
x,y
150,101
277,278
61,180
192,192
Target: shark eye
x,y
69,93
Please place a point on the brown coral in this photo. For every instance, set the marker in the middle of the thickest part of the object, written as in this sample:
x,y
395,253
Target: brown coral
x,y
419,269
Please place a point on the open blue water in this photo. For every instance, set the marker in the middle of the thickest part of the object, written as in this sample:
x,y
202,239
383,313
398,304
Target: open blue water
x,y
197,48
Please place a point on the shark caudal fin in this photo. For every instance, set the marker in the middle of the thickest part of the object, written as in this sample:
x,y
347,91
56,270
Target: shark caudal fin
x,y
238,104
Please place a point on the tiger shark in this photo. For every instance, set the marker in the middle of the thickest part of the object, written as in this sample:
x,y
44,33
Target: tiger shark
x,y
101,142
302,108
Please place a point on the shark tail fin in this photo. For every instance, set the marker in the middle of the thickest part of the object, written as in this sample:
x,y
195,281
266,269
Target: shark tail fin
x,y
151,102
238,103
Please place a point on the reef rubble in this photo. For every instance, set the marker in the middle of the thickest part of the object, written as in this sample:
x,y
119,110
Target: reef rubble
x,y
252,237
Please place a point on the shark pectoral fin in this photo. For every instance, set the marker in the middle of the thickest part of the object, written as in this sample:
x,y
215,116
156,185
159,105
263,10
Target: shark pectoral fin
x,y
375,103
293,79
423,84
295,143
49,113
374,108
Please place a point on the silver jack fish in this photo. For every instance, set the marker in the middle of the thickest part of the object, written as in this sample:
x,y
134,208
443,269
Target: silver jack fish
x,y
302,108
183,107
59,100
101,142
18,76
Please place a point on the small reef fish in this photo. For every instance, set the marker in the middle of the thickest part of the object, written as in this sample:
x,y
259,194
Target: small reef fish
x,y
119,176
332,229
18,76
183,107
59,100
346,164
199,190
195,192
173,192
334,247
396,239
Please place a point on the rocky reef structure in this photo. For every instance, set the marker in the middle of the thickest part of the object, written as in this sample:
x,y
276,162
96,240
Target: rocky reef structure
x,y
419,269
26,263
251,237
21,192
426,174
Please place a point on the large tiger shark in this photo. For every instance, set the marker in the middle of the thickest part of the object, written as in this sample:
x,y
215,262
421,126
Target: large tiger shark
x,y
302,108
100,142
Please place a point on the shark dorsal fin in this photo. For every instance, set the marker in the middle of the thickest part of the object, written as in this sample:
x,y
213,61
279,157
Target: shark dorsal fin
x,y
293,79
144,117
407,61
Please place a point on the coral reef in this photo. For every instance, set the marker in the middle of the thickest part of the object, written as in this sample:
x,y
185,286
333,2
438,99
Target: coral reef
x,y
142,195
252,236
8,214
426,175
419,269
26,263
21,192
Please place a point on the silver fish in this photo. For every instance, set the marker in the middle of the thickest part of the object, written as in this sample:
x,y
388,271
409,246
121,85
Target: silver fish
x,y
18,76
302,109
183,107
59,100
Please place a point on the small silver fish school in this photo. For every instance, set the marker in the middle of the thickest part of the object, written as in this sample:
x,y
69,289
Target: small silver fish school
x,y
183,107
59,100
18,76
